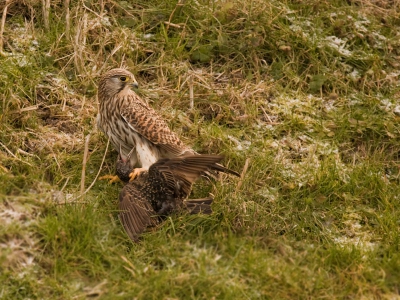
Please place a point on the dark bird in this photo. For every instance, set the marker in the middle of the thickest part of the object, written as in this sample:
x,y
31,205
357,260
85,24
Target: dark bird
x,y
130,123
162,190
123,167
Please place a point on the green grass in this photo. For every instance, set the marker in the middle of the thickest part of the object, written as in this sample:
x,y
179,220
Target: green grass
x,y
306,92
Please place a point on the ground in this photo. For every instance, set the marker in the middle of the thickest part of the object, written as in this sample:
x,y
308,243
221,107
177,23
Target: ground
x,y
302,98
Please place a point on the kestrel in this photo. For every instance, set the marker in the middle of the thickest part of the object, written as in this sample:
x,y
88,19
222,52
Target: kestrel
x,y
130,123
161,191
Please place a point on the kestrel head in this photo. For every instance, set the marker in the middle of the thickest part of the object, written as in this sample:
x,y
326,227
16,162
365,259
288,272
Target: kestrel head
x,y
115,81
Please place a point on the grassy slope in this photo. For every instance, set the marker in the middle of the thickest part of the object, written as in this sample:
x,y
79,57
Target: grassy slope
x,y
307,91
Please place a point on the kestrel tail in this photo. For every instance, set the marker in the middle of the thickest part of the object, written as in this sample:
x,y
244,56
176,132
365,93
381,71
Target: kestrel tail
x,y
161,191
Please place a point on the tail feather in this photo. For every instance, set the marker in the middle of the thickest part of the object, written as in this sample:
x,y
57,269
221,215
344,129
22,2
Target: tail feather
x,y
197,206
221,168
191,167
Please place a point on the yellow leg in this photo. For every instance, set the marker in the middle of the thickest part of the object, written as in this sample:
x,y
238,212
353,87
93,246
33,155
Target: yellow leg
x,y
112,178
136,173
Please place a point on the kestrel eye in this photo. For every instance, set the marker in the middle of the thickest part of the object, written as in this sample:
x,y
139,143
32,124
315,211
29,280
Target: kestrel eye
x,y
123,78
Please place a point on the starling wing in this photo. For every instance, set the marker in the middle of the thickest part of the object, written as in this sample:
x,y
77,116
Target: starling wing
x,y
173,178
162,190
136,212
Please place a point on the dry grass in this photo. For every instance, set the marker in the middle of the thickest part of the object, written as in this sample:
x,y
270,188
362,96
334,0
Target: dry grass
x,y
302,98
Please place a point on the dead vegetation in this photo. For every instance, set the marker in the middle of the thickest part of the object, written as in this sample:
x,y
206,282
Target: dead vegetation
x,y
302,98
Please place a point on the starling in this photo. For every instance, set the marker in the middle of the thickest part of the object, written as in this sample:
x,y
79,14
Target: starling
x,y
162,191
123,166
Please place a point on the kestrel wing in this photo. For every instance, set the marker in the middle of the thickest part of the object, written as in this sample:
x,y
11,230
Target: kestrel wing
x,y
146,122
136,212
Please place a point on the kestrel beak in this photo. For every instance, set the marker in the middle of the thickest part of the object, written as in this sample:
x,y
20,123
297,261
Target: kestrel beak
x,y
135,85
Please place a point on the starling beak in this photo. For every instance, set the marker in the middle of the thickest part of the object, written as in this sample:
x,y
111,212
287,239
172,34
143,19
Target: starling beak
x,y
161,191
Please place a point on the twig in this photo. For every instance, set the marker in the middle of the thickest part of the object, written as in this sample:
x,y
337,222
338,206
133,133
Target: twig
x,y
112,220
20,151
267,117
65,184
97,175
13,155
46,13
80,42
131,267
244,171
28,108
172,24
101,166
101,7
3,22
128,262
4,169
67,19
191,92
85,155
92,11
168,23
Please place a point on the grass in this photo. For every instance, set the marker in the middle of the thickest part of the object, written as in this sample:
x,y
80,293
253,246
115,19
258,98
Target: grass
x,y
306,93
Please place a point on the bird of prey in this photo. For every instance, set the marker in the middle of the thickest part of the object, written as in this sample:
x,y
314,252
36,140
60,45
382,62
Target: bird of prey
x,y
162,190
130,123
